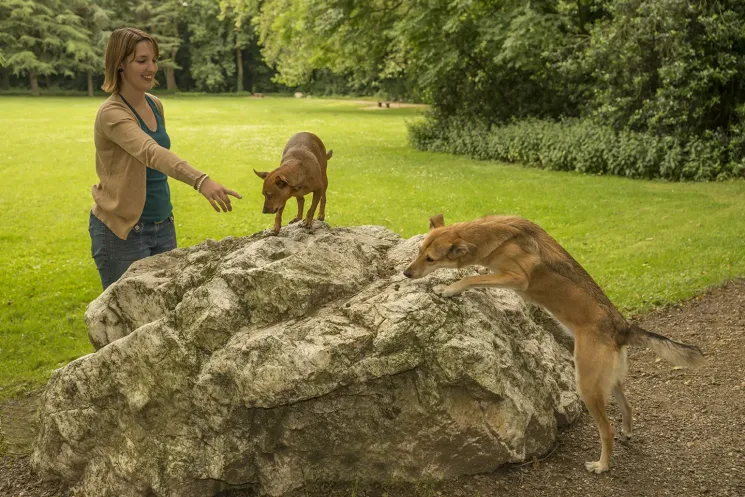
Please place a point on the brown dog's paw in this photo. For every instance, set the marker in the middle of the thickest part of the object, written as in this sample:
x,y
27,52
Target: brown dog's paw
x,y
297,219
321,218
308,224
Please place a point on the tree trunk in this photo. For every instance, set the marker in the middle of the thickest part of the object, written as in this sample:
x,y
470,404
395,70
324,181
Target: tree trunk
x,y
90,83
34,83
171,74
239,63
5,81
582,19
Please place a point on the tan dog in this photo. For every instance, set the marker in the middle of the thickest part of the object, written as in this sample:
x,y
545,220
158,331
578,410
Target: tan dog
x,y
524,258
302,171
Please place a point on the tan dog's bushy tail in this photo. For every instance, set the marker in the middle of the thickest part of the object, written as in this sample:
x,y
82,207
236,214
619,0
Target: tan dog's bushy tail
x,y
329,154
678,354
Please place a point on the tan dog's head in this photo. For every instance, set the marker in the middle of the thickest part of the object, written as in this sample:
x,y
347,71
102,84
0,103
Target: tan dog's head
x,y
442,247
279,186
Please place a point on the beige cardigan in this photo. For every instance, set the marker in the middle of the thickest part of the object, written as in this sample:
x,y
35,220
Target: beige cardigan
x,y
123,151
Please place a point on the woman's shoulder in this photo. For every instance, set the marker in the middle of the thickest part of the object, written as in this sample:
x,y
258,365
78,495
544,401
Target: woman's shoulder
x,y
111,110
113,102
156,101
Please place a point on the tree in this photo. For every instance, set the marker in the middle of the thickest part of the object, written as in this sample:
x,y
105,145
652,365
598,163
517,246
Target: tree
x,y
211,46
83,22
349,38
28,32
162,20
669,66
243,37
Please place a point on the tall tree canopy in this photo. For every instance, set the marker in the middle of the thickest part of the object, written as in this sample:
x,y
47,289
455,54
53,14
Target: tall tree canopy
x,y
61,42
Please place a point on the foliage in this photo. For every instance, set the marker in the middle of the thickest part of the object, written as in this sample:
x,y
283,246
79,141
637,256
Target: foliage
x,y
583,146
348,43
43,37
203,46
671,67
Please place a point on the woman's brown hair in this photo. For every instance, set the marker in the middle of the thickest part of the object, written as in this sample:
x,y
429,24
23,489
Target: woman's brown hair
x,y
122,44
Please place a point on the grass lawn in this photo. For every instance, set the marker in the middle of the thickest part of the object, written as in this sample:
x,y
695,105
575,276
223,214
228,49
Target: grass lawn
x,y
646,243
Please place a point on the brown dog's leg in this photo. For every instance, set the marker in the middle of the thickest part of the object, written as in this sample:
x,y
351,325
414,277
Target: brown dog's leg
x,y
322,208
300,204
278,221
312,210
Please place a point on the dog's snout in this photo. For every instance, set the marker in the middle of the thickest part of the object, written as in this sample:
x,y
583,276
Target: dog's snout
x,y
266,211
407,273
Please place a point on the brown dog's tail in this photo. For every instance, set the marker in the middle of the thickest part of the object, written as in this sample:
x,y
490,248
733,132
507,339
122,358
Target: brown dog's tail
x,y
329,154
679,354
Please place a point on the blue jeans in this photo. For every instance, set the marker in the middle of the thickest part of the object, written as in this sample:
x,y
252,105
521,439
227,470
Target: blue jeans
x,y
113,256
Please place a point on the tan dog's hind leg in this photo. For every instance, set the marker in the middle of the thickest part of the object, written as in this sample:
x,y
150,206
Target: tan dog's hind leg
x,y
620,395
625,407
595,368
322,208
312,210
300,205
502,280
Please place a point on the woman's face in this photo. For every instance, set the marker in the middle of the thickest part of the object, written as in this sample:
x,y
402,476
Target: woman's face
x,y
139,69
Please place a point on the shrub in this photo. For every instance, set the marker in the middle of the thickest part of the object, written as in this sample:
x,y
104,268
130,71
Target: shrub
x,y
584,146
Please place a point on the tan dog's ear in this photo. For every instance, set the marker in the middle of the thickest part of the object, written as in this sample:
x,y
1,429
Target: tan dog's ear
x,y
461,248
436,221
261,175
280,181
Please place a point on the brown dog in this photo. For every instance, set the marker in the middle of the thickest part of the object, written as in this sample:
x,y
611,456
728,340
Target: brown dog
x,y
524,258
302,171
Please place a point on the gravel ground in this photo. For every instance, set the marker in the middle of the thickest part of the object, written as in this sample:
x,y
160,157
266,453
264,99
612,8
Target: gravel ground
x,y
689,427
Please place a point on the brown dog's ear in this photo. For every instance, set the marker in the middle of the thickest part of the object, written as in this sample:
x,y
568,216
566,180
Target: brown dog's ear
x,y
293,175
280,181
460,249
261,175
436,221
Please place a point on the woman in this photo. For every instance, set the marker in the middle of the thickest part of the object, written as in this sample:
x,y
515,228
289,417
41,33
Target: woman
x,y
132,214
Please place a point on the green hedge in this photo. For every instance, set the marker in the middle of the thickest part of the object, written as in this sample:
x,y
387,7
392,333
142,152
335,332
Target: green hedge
x,y
586,147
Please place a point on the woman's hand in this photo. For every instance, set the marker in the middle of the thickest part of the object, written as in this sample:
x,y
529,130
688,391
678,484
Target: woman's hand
x,y
218,195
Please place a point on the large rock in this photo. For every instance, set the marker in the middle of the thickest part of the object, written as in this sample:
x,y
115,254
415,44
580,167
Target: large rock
x,y
270,362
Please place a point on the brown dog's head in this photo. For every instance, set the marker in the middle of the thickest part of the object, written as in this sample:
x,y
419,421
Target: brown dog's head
x,y
279,186
442,247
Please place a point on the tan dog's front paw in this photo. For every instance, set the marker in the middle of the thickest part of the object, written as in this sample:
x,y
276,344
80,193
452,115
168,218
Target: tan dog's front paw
x,y
445,290
596,467
308,223
321,218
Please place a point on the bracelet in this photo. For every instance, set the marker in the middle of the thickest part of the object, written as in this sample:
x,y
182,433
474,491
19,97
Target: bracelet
x,y
196,182
198,186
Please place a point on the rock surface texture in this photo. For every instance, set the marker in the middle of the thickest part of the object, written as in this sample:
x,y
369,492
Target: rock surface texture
x,y
270,362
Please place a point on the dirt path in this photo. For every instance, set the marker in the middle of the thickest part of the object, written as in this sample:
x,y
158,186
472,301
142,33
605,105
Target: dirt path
x,y
689,432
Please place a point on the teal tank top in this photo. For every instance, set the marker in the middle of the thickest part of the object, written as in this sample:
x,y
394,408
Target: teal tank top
x,y
157,194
